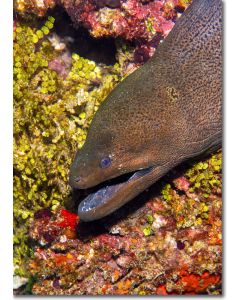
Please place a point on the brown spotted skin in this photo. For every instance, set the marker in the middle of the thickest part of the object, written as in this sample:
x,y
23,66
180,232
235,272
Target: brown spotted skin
x,y
166,111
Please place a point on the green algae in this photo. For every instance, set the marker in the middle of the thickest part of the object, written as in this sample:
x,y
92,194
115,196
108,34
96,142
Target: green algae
x,y
150,219
205,183
149,23
51,116
206,177
190,198
166,192
147,230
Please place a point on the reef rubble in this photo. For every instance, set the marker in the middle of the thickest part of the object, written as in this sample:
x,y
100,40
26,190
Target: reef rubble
x,y
166,241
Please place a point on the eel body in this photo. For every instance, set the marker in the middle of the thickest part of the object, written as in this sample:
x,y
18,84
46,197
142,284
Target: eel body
x,y
164,113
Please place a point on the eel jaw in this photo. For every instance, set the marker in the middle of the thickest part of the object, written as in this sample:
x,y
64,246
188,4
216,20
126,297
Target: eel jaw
x,y
111,197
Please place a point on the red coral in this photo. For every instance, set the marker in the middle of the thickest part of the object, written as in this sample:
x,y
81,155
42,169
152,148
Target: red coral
x,y
49,226
194,283
69,219
161,290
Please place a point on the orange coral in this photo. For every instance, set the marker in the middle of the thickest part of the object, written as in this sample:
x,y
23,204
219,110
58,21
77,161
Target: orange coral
x,y
194,283
161,290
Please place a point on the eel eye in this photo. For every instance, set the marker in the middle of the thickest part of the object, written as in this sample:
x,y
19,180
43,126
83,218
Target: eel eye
x,y
105,162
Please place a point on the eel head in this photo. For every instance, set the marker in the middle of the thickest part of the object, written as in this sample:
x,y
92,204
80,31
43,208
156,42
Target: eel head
x,y
117,173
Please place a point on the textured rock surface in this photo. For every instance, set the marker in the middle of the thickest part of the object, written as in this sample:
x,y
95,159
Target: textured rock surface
x,y
130,19
166,241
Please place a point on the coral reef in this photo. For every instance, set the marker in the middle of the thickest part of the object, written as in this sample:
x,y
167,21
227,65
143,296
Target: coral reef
x,y
142,23
131,19
169,244
139,25
56,94
38,7
166,241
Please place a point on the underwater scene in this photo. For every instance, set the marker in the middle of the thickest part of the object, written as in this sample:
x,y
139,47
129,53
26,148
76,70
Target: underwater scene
x,y
117,147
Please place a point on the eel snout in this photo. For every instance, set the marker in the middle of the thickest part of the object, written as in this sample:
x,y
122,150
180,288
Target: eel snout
x,y
81,177
77,181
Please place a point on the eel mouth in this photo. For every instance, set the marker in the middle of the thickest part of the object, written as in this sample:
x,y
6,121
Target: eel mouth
x,y
111,195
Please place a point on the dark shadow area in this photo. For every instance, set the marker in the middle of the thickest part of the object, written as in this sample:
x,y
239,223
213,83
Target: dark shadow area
x,y
79,40
87,230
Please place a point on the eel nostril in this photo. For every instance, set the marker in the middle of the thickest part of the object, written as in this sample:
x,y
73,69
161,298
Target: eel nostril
x,y
77,178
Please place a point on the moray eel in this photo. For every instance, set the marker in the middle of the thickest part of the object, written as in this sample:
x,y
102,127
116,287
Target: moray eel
x,y
164,113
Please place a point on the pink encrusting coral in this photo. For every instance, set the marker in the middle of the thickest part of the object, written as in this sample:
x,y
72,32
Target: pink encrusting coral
x,y
130,19
143,22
